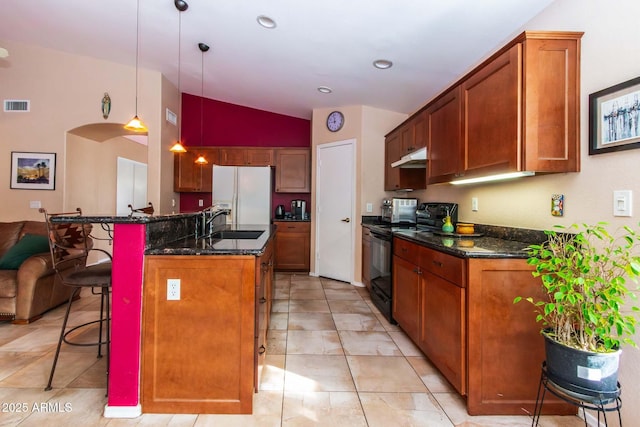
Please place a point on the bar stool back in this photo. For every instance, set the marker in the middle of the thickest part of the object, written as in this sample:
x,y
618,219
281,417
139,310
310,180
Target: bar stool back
x,y
70,244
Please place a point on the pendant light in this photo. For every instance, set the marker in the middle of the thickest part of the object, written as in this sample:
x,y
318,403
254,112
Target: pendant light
x,y
136,124
181,5
203,48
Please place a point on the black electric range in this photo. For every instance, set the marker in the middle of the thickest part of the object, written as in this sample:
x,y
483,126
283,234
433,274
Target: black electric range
x,y
429,217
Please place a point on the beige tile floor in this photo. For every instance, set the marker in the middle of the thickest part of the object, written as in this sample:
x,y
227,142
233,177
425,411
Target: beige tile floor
x,y
333,360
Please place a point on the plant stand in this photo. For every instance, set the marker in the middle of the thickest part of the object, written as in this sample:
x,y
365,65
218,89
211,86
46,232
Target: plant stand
x,y
602,402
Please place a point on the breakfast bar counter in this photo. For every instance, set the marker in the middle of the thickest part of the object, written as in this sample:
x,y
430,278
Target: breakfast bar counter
x,y
135,237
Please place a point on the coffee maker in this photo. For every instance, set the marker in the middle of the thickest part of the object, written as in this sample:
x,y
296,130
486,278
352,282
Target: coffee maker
x,y
299,209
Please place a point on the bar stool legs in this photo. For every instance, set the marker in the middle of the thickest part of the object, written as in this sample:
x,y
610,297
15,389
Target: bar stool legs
x,y
602,402
104,320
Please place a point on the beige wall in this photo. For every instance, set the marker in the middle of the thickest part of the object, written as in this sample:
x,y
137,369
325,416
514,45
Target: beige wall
x,y
368,126
65,91
610,55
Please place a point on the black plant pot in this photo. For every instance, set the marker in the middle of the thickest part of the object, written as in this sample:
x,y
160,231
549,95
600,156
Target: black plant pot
x,y
581,371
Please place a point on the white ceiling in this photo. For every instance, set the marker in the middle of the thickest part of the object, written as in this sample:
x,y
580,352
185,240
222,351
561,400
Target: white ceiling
x,y
316,43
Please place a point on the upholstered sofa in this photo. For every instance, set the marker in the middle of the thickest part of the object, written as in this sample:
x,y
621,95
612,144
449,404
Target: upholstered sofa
x,y
28,283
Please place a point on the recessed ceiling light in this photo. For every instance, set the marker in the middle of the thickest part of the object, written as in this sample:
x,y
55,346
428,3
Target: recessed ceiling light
x,y
324,89
382,64
266,22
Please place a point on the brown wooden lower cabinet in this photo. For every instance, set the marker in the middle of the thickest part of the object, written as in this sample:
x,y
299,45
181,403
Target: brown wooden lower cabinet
x,y
201,353
293,246
460,313
506,349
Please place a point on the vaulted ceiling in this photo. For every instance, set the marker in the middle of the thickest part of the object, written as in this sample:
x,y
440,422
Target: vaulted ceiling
x,y
330,43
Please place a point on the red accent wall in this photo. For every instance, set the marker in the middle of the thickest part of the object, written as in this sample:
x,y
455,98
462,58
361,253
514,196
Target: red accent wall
x,y
207,122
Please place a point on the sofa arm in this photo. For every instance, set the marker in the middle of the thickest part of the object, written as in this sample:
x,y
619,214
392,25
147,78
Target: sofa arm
x,y
35,267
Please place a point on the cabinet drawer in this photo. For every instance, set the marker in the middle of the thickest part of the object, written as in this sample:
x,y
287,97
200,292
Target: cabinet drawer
x,y
443,265
406,250
293,226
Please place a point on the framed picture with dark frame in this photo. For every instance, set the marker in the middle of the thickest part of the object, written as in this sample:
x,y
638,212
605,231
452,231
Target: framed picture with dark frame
x,y
33,171
614,118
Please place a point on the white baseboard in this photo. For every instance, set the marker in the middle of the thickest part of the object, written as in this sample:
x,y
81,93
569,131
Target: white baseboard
x,y
122,411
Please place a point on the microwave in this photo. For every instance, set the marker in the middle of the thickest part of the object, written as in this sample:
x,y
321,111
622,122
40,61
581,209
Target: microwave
x,y
399,210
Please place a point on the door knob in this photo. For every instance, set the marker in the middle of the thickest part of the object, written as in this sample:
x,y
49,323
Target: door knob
x,y
345,220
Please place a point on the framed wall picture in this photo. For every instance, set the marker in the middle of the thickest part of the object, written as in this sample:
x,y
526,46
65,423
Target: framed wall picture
x,y
614,118
33,171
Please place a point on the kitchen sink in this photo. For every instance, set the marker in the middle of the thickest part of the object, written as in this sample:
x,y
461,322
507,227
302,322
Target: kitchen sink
x,y
237,234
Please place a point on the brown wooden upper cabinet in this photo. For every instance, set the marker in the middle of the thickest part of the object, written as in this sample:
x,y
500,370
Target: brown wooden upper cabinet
x,y
444,124
396,146
243,156
517,111
414,135
293,170
188,176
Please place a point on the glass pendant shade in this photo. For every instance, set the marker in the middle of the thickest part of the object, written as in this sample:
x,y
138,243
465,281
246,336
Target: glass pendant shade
x,y
201,160
178,148
136,125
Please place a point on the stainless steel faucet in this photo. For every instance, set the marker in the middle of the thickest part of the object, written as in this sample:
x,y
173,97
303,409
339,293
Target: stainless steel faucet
x,y
207,218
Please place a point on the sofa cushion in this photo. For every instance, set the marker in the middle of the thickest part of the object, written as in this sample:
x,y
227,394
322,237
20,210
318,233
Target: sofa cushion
x,y
34,227
30,244
9,233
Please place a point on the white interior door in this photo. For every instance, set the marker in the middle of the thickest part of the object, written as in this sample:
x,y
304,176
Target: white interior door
x,y
335,222
131,187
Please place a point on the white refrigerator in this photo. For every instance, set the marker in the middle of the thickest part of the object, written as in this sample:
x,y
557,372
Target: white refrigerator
x,y
245,190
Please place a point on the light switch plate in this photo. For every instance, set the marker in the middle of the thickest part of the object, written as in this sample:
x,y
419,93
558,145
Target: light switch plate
x,y
622,202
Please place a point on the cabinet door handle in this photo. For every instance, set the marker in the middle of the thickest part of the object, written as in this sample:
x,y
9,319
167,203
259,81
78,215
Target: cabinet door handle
x,y
345,220
262,350
263,300
417,271
437,263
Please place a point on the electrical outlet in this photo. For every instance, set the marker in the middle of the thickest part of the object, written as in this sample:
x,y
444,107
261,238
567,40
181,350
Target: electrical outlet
x,y
35,204
200,202
173,289
173,203
474,204
369,207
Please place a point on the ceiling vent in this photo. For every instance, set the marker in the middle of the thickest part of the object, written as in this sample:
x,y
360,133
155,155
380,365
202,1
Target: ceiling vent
x,y
17,105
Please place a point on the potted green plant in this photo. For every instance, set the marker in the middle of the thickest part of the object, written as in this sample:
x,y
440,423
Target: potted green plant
x,y
584,271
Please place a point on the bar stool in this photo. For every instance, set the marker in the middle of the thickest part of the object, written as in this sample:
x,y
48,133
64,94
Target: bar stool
x,y
70,244
600,401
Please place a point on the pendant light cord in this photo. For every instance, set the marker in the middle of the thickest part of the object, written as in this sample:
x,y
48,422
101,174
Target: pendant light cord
x,y
203,48
179,91
202,100
137,49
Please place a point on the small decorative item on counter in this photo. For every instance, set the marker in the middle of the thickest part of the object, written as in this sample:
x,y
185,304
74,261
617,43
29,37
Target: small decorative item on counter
x,y
464,228
447,227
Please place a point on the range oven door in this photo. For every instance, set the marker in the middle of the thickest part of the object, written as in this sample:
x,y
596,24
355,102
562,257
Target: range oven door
x,y
381,258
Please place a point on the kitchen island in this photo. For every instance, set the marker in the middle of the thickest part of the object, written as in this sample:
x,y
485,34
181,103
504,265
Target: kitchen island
x,y
453,296
139,238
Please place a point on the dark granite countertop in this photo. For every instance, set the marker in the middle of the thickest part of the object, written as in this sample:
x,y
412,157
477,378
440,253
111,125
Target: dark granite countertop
x,y
494,242
467,247
291,220
191,245
122,219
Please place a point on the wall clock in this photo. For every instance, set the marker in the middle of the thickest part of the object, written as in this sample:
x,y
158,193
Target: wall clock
x,y
335,120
